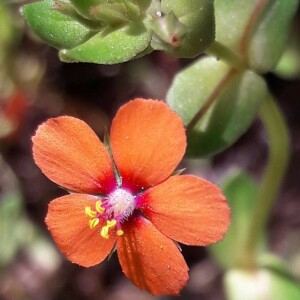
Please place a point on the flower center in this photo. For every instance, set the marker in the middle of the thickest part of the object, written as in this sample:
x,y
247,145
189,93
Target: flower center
x,y
111,211
122,204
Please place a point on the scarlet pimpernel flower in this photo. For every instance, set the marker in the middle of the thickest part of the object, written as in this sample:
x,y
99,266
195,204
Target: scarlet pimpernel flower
x,y
127,196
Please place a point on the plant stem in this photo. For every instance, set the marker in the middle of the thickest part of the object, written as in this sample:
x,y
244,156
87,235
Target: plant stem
x,y
279,153
211,99
227,55
259,8
237,64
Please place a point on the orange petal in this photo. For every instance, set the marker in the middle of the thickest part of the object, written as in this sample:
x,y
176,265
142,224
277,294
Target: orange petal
x,y
69,153
187,209
148,141
151,260
69,226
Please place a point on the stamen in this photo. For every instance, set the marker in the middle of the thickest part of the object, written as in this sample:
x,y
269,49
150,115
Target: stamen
x,y
99,208
109,224
120,232
94,222
113,209
91,213
104,232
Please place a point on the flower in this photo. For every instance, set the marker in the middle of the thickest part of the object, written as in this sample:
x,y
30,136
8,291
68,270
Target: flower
x,y
126,195
12,115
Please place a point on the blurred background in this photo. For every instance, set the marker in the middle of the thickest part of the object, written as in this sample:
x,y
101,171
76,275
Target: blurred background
x,y
35,85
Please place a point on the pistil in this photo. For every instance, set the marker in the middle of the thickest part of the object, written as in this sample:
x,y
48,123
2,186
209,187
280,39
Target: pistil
x,y
112,210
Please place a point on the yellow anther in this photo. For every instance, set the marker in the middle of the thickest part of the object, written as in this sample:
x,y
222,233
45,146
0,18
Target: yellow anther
x,y
111,223
104,232
94,222
91,213
99,207
120,232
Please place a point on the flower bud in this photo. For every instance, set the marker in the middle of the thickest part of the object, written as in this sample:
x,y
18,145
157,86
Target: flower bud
x,y
183,28
109,13
83,7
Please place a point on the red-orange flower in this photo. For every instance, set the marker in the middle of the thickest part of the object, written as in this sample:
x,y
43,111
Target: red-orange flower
x,y
127,196
13,111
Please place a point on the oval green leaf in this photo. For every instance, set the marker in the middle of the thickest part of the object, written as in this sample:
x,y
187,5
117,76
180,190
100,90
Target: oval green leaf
x,y
271,34
116,47
232,17
258,29
56,29
233,110
78,43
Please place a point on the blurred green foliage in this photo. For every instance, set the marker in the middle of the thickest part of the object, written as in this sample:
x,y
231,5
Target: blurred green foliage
x,y
220,96
260,284
16,231
240,191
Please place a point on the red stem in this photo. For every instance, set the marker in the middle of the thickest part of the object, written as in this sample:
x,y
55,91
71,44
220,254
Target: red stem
x,y
252,22
210,100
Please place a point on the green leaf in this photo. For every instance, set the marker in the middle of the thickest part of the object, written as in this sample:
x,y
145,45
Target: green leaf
x,y
261,284
56,29
289,64
240,192
233,111
258,30
231,20
116,47
82,40
271,34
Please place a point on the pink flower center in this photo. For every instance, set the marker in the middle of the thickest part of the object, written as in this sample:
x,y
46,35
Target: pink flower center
x,y
111,211
121,204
